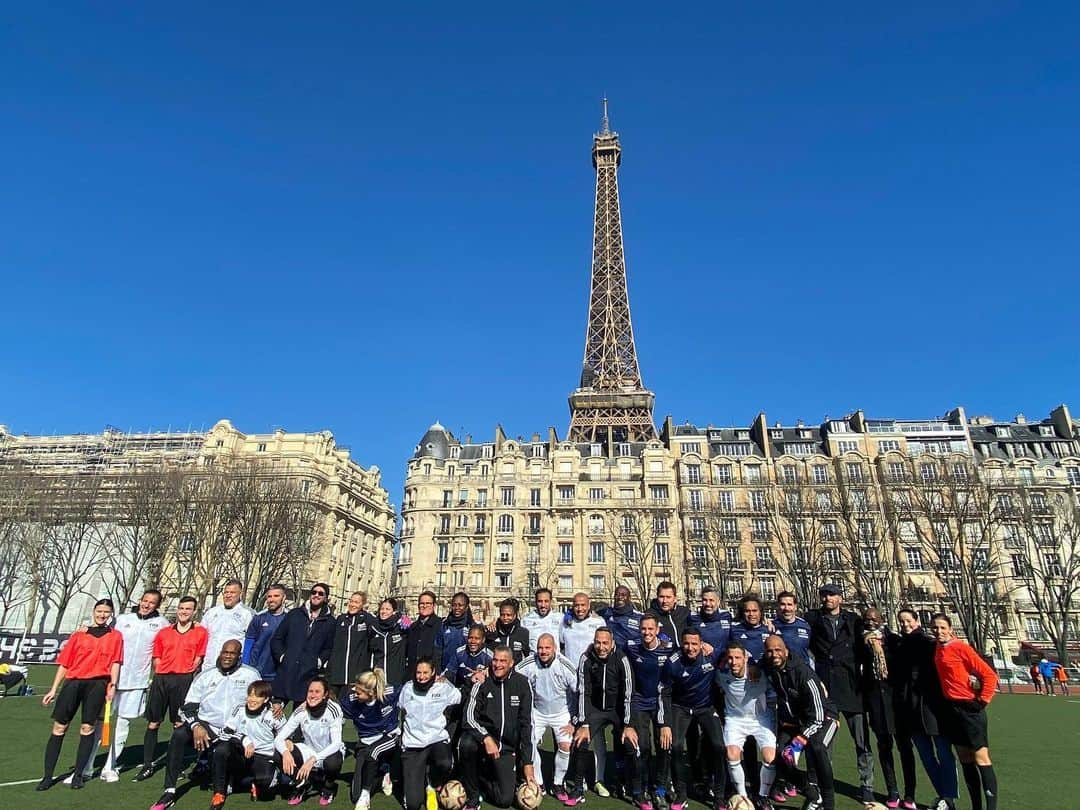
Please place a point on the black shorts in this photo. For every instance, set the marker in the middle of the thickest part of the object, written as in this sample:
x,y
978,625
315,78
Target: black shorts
x,y
86,692
167,692
967,726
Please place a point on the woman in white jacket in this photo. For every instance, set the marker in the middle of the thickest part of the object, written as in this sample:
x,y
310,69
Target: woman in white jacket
x,y
426,757
314,763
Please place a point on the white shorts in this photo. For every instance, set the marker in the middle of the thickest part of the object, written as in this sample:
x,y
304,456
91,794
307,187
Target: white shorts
x,y
130,703
542,722
739,729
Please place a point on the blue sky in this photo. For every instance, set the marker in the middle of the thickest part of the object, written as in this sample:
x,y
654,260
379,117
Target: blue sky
x,y
363,219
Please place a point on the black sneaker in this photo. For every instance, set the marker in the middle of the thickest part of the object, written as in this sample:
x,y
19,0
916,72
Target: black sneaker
x,y
77,782
146,772
45,783
763,803
660,802
866,795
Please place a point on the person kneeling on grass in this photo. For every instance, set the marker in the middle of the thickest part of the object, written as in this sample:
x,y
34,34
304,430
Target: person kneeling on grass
x,y
246,747
314,762
372,706
426,757
209,704
968,684
89,666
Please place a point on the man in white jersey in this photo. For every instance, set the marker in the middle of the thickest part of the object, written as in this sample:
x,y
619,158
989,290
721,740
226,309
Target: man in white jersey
x,y
747,714
138,628
576,636
225,622
542,619
554,684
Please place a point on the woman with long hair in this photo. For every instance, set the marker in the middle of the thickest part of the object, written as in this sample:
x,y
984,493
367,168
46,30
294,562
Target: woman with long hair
x,y
387,641
372,706
313,762
426,758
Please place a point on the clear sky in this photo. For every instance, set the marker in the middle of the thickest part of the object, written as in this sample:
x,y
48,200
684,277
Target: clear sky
x,y
363,218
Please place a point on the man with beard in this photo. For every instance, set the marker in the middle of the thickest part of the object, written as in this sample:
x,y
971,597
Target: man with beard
x,y
508,632
791,626
605,687
260,631
457,622
349,653
496,743
713,623
301,644
647,657
806,718
622,618
542,619
208,705
425,636
672,616
750,630
554,684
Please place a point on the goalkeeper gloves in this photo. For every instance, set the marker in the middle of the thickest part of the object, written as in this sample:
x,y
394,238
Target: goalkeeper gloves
x,y
793,751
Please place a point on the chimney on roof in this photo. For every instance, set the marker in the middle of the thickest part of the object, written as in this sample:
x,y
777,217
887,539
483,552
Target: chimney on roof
x,y
1021,419
468,438
536,438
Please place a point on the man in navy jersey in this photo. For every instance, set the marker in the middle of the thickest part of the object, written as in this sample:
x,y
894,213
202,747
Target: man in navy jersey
x,y
750,630
794,628
648,777
713,623
622,618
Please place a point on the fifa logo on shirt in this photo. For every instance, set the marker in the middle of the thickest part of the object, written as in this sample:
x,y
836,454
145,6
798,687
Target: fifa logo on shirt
x,y
515,700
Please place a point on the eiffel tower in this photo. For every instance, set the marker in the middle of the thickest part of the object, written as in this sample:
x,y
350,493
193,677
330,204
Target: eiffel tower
x,y
611,404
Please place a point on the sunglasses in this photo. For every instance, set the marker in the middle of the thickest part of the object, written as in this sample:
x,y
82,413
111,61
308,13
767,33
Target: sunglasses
x,y
318,593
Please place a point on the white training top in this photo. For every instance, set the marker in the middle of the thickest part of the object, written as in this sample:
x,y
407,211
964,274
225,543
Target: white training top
x,y
217,694
745,699
537,625
321,734
138,635
554,685
578,635
260,730
224,624
424,722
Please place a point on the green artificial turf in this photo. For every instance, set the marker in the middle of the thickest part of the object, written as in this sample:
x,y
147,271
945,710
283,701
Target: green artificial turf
x,y
1034,742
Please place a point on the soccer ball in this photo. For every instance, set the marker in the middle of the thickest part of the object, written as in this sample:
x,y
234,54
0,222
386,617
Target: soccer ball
x,y
452,795
875,806
740,803
529,796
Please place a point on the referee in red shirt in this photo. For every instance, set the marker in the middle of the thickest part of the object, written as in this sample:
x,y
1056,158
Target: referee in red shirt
x,y
89,667
178,654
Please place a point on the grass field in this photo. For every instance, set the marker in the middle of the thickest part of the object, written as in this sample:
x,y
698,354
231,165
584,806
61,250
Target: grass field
x,y
1034,741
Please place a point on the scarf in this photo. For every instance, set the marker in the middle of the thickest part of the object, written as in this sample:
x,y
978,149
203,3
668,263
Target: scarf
x,y
465,620
422,688
384,626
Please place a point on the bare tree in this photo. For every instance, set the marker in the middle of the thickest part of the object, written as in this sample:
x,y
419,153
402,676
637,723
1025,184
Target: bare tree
x,y
1046,560
16,501
712,551
803,534
639,543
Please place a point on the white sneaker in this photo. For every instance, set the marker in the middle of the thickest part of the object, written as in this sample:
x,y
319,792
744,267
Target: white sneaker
x,y
602,791
362,804
70,776
110,776
387,785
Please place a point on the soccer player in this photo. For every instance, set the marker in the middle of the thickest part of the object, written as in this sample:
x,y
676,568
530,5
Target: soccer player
x,y
576,636
301,644
426,757
1062,679
672,616
686,700
260,630
207,706
957,665
554,686
457,622
836,643
425,636
623,619
794,628
309,746
349,653
178,652
246,747
508,632
750,630
496,741
386,640
89,669
372,705
470,659
542,619
918,701
747,714
648,777
806,718
226,621
713,623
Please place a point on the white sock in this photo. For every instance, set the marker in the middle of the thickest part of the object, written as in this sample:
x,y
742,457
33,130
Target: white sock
x,y
768,776
600,755
365,796
120,735
738,778
562,762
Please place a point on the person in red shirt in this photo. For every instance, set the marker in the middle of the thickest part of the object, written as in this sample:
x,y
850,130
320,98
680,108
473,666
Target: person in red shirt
x,y
968,684
178,655
89,667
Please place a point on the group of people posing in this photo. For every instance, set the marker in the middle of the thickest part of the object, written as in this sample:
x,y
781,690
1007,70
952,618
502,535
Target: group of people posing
x,y
434,698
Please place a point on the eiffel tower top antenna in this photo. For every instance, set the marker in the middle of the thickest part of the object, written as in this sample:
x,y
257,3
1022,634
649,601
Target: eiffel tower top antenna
x,y
605,126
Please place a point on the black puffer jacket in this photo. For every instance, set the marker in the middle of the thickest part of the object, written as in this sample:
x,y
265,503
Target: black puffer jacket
x,y
801,700
386,640
672,622
604,685
424,638
350,655
916,689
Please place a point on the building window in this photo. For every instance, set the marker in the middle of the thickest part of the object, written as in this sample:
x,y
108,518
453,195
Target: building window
x,y
693,473
869,558
790,474
757,500
887,445
534,497
660,525
447,498
596,582
726,499
759,529
1072,474
622,449
1018,562
261,447
596,494
566,582
504,552
729,528
1027,475
697,527
502,579
723,474
821,474
824,501
763,557
1033,627
699,553
897,472
565,527
463,520
799,448
659,493
629,552
481,497
914,559
753,474
596,552
695,500
629,525
442,555
595,450
596,524
566,553
485,471
928,472
481,524
444,524
506,524
732,557
854,472
478,553
847,446
566,493
832,557
507,495
660,554
768,588
691,447
534,524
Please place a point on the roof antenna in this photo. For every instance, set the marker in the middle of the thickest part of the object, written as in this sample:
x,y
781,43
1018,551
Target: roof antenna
x,y
605,127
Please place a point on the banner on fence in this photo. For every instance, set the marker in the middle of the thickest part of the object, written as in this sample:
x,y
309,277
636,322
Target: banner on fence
x,y
33,648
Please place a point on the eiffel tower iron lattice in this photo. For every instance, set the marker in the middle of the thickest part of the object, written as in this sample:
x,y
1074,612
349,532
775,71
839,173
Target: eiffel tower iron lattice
x,y
611,404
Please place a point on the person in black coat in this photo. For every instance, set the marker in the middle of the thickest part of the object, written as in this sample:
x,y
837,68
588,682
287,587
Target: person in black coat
x,y
917,700
350,654
425,637
671,616
301,644
877,692
836,642
507,630
386,640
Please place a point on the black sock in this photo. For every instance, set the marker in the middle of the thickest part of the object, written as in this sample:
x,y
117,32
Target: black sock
x,y
149,747
52,753
86,752
989,785
974,784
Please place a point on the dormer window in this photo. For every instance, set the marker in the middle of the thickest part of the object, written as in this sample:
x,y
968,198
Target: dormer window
x,y
776,434
455,452
1046,430
1002,431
